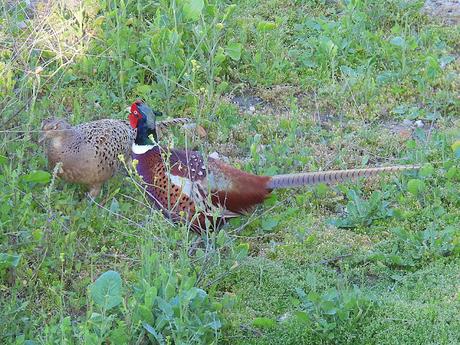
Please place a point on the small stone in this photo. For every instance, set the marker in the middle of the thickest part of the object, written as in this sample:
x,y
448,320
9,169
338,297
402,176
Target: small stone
x,y
419,123
252,109
407,122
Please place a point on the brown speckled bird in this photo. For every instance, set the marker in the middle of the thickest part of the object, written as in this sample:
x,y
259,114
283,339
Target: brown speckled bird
x,y
204,191
89,151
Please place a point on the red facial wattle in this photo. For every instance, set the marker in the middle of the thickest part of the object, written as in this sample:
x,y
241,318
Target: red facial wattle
x,y
135,115
133,120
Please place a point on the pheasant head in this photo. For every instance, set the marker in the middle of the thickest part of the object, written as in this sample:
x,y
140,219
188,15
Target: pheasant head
x,y
54,128
143,118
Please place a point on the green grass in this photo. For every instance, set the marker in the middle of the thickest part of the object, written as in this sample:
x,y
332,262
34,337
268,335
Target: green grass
x,y
331,83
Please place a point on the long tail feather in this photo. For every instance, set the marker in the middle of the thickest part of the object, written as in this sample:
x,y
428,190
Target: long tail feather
x,y
332,176
161,125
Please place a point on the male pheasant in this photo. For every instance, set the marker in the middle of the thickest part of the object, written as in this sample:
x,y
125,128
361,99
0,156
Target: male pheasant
x,y
204,191
89,151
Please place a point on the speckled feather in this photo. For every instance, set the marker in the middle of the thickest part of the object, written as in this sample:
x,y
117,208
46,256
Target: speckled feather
x,y
88,152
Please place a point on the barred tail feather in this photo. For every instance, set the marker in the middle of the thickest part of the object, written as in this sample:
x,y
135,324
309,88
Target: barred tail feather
x,y
161,125
332,176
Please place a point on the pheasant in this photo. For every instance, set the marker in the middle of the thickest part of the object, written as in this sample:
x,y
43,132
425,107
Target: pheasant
x,y
205,192
89,152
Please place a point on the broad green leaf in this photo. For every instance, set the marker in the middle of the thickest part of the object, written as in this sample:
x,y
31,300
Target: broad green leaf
x,y
165,307
343,314
265,26
193,9
9,260
91,338
386,77
263,322
348,71
415,186
119,336
150,296
190,281
106,290
329,307
453,173
328,46
432,68
302,295
456,148
229,11
220,56
426,170
411,144
445,60
221,238
302,316
321,189
99,21
199,295
242,249
158,337
143,89
96,317
215,325
3,160
313,296
37,234
145,313
233,50
114,206
268,224
37,176
398,41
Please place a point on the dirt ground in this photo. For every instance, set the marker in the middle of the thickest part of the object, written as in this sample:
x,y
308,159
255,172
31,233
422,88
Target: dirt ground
x,y
446,10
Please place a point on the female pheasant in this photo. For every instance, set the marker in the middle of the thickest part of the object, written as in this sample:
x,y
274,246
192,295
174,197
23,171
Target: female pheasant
x,y
89,152
204,191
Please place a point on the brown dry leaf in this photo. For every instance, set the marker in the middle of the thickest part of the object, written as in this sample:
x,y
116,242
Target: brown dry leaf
x,y
201,131
405,134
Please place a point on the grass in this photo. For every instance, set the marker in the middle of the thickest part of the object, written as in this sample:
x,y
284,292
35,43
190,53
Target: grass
x,y
280,86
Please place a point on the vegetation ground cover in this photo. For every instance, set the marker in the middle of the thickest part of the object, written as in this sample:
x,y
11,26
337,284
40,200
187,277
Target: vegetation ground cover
x,y
280,86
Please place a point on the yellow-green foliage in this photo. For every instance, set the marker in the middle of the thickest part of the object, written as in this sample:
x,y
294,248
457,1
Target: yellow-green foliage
x,y
280,86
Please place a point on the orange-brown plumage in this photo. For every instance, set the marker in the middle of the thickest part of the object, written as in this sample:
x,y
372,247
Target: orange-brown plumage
x,y
247,189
